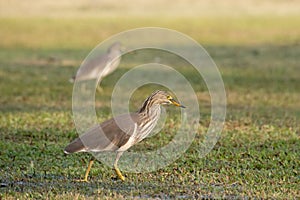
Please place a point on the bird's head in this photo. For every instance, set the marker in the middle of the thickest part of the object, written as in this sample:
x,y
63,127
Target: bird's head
x,y
164,98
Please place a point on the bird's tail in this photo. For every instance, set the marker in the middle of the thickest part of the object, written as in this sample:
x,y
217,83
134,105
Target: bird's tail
x,y
75,146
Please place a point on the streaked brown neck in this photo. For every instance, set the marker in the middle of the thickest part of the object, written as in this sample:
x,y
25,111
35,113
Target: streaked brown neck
x,y
148,105
149,114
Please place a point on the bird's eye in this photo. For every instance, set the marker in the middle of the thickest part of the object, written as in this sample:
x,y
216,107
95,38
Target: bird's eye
x,y
169,97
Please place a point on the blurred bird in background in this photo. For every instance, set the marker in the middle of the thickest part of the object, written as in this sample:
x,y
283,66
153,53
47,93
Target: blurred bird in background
x,y
100,66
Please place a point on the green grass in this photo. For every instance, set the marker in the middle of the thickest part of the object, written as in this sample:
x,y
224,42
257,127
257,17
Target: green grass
x,y
86,33
257,155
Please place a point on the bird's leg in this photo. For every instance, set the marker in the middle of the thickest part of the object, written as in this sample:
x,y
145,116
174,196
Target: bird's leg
x,y
87,171
118,172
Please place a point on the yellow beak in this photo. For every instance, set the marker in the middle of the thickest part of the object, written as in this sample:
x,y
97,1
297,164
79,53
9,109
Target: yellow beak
x,y
175,103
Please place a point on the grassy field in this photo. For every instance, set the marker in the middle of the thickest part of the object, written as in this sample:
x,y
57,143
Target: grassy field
x,y
257,155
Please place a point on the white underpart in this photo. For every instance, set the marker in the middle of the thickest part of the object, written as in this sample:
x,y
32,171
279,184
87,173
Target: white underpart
x,y
131,141
105,70
147,128
109,147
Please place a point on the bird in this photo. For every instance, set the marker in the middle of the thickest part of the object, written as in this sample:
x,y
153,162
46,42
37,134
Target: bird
x,y
120,133
100,66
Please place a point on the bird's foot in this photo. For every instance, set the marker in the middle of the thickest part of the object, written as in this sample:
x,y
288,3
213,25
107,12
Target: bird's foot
x,y
81,180
119,174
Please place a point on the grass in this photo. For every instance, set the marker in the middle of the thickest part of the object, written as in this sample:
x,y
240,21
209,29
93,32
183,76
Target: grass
x,y
136,8
49,33
256,156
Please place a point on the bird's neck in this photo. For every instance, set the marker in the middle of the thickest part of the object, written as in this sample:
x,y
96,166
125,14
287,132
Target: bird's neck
x,y
150,109
154,111
149,115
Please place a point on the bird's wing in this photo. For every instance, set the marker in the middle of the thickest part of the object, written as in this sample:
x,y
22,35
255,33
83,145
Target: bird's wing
x,y
108,136
92,67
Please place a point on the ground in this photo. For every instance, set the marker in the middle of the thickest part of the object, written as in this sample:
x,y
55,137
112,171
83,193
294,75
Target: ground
x,y
257,155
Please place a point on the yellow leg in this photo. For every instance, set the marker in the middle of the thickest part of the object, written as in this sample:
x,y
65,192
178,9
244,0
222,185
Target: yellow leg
x,y
118,172
87,171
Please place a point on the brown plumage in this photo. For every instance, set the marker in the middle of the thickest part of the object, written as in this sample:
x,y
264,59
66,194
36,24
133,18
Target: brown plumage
x,y
101,137
120,133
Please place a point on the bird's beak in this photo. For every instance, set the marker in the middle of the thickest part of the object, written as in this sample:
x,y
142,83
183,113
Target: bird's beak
x,y
176,103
